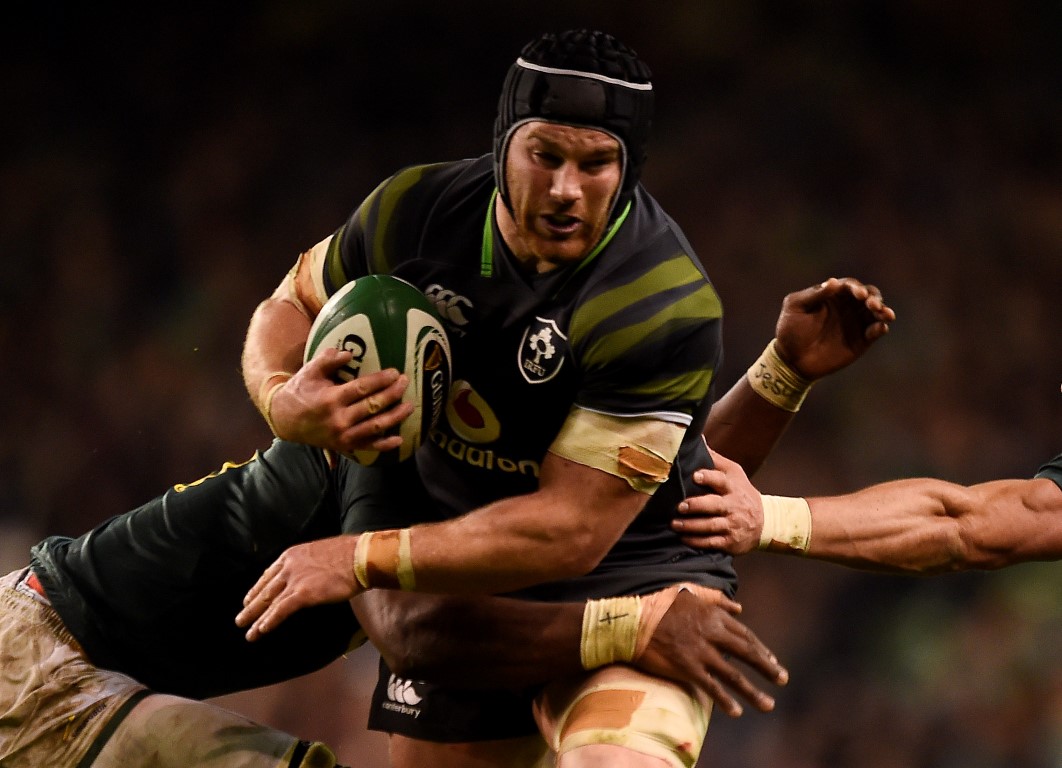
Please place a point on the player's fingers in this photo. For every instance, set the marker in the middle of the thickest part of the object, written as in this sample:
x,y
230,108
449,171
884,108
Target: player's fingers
x,y
875,331
733,607
383,399
813,295
253,607
277,611
722,698
735,680
392,394
329,360
696,524
388,443
250,613
263,582
386,386
740,642
709,504
710,478
374,431
857,289
698,541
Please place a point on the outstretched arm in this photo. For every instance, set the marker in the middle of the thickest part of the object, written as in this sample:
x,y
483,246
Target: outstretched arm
x,y
819,331
563,529
917,525
691,636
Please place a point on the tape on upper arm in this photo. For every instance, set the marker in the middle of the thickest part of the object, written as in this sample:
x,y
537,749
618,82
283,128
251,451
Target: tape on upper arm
x,y
305,283
640,449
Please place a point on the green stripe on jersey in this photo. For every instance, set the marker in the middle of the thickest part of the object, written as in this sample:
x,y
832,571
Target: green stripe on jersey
x,y
700,304
691,387
333,263
390,193
672,274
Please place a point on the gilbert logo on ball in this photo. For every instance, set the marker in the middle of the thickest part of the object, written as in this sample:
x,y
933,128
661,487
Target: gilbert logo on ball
x,y
385,322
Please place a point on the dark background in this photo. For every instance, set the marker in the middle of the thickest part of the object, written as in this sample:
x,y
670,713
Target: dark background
x,y
164,164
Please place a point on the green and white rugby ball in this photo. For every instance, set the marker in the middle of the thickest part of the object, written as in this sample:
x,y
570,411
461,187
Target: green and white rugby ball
x,y
386,322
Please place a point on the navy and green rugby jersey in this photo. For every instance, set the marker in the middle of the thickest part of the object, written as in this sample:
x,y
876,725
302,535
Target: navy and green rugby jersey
x,y
632,331
154,593
1052,470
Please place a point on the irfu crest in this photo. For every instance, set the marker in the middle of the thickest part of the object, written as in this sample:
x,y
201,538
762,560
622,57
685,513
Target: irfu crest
x,y
541,351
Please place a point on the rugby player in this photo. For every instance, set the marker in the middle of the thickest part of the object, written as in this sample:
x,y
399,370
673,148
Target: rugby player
x,y
109,642
586,337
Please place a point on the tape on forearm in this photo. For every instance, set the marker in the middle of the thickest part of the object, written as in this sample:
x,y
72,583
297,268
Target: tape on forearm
x,y
786,523
267,399
405,561
382,560
610,630
361,558
776,382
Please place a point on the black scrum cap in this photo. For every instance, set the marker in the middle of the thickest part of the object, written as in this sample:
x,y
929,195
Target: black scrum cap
x,y
583,78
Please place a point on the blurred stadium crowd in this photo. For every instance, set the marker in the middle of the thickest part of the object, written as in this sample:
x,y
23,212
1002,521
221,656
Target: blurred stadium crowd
x,y
162,168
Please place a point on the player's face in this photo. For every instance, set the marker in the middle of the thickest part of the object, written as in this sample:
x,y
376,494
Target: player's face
x,y
561,184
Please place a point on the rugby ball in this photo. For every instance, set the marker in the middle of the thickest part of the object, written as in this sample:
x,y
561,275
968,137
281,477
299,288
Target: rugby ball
x,y
386,322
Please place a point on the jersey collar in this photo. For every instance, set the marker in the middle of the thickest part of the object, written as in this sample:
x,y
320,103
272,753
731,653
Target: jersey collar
x,y
486,256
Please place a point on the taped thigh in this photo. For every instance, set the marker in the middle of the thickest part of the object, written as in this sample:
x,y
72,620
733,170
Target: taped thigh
x,y
619,706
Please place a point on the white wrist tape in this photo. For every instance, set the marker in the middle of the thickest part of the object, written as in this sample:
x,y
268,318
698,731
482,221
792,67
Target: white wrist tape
x,y
786,523
610,630
776,382
266,396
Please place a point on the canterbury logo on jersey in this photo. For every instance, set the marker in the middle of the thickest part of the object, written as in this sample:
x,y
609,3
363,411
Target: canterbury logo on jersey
x,y
402,697
451,306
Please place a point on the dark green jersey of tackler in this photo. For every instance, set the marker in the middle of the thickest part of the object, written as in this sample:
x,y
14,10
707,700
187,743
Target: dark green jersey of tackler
x,y
633,330
1052,470
154,593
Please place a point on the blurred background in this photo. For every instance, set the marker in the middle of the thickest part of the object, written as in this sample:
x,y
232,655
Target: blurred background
x,y
162,166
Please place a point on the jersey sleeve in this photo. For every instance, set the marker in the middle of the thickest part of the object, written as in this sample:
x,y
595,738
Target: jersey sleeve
x,y
382,230
385,229
650,345
1052,470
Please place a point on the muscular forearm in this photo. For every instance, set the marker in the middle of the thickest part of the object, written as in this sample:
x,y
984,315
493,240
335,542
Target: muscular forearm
x,y
932,526
689,635
560,531
472,642
899,526
744,426
274,343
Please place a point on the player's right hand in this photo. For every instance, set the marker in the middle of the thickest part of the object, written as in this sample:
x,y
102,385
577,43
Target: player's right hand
x,y
827,327
356,415
313,573
728,516
697,640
